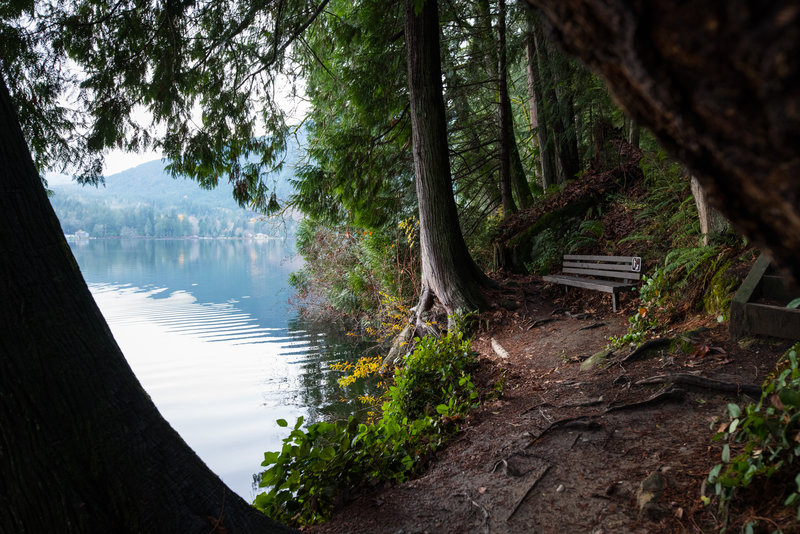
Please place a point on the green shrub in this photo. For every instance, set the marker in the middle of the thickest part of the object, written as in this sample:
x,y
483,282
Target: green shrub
x,y
770,433
652,298
317,468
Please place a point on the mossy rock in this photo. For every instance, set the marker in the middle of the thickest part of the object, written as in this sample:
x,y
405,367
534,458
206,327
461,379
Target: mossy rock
x,y
717,298
595,359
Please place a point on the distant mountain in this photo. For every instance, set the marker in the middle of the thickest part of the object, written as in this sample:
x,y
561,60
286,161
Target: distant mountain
x,y
133,202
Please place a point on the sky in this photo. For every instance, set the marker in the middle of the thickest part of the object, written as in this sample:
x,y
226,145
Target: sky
x,y
119,160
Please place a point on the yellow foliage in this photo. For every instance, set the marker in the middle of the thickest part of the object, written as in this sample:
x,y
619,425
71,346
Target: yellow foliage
x,y
364,367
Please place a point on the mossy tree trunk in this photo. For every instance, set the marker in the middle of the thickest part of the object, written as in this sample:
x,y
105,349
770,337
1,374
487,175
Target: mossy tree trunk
x,y
82,447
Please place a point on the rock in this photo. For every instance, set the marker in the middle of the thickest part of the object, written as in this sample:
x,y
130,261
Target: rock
x,y
647,496
595,359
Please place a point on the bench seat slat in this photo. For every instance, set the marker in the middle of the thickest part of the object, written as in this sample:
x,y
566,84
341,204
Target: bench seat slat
x,y
606,286
597,272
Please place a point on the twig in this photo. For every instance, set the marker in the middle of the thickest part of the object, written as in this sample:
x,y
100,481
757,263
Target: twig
x,y
530,488
591,326
574,441
699,381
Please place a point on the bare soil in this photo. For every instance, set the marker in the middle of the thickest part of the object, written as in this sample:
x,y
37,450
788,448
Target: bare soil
x,y
567,450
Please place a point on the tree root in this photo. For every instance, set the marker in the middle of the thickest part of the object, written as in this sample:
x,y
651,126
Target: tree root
x,y
706,383
525,495
669,393
639,351
579,421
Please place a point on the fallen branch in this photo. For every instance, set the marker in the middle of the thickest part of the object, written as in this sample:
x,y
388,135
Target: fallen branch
x,y
591,326
530,488
706,383
499,350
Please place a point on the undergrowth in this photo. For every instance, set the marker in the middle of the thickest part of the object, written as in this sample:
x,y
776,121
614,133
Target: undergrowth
x,y
363,277
762,440
320,466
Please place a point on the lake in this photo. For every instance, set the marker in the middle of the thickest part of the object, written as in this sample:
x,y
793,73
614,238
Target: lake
x,y
209,331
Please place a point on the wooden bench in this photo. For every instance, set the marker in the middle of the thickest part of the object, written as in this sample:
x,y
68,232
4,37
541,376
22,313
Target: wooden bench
x,y
609,274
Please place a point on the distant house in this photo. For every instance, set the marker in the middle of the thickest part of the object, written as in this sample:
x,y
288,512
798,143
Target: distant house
x,y
80,234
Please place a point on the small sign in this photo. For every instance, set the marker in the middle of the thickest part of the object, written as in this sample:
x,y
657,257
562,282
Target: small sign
x,y
636,264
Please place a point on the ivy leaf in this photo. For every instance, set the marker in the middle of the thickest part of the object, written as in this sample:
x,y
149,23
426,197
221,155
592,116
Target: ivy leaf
x,y
282,423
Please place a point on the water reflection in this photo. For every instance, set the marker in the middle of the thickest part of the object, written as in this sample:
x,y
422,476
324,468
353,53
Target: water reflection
x,y
208,330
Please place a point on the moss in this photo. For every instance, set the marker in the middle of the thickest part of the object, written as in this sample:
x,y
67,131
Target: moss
x,y
717,298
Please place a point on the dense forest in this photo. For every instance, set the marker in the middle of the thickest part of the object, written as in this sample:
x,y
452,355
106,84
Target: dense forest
x,y
454,154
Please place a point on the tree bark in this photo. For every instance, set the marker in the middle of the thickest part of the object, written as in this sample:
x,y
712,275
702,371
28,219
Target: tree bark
x,y
717,84
711,221
448,270
82,449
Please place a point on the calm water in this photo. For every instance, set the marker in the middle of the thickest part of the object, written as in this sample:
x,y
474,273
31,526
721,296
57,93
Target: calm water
x,y
207,327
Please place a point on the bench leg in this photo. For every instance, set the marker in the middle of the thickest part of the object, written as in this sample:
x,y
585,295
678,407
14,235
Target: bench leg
x,y
614,301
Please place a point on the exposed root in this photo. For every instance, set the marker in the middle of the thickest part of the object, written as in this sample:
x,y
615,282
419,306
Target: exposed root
x,y
527,492
705,383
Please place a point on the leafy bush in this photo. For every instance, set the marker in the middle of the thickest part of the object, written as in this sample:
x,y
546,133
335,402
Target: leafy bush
x,y
652,297
317,468
770,432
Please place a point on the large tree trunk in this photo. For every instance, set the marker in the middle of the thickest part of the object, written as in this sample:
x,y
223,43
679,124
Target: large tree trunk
x,y
83,449
448,271
717,83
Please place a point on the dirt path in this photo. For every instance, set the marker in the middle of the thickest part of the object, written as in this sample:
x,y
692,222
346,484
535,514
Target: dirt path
x,y
565,449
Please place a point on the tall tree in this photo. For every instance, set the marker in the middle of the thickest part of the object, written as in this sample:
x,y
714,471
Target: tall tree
x,y
539,126
448,270
510,163
82,448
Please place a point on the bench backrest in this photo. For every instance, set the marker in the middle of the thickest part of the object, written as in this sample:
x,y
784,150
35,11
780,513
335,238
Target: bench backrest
x,y
620,267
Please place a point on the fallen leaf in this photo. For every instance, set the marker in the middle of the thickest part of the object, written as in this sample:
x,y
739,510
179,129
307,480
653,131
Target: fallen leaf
x,y
482,490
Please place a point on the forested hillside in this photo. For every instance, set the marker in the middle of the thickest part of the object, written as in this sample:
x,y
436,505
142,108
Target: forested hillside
x,y
146,201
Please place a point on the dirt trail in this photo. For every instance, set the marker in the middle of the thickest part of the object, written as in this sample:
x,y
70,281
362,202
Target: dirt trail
x,y
565,449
